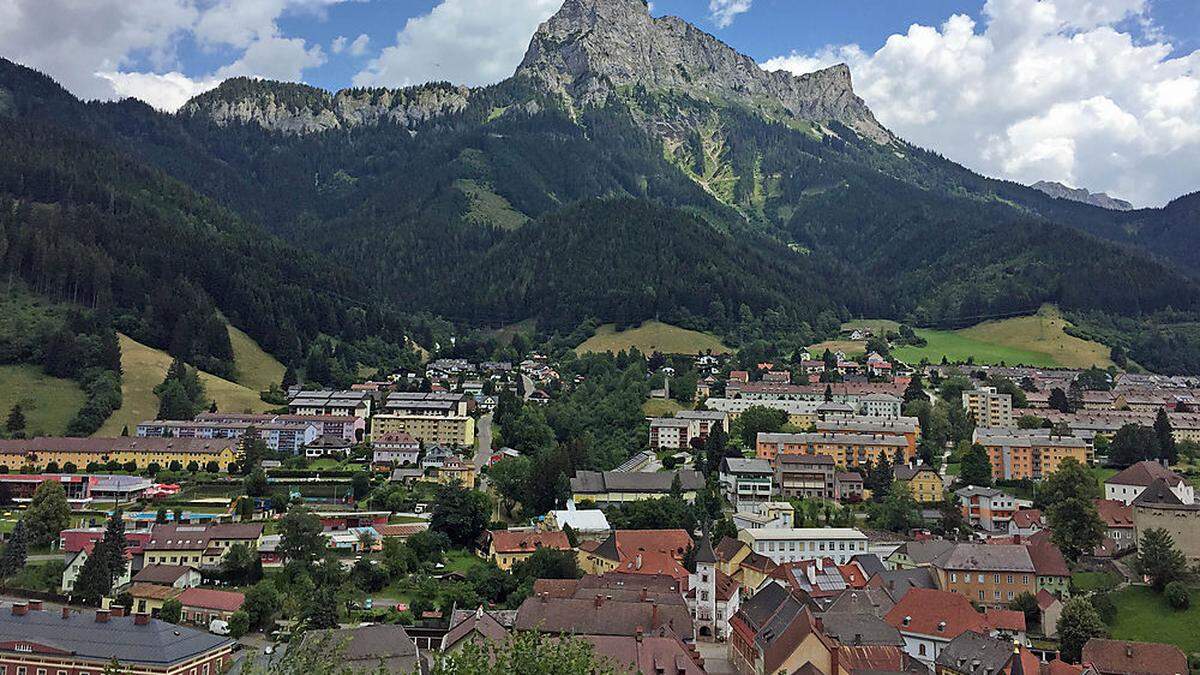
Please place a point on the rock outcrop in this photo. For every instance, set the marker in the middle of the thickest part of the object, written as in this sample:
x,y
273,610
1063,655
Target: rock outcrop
x,y
1056,189
591,48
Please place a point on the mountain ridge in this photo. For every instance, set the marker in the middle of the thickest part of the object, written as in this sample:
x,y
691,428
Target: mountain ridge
x,y
1101,199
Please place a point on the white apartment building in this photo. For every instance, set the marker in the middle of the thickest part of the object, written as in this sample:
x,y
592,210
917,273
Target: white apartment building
x,y
988,408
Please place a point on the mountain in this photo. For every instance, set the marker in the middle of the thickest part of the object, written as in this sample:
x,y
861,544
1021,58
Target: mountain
x,y
1060,191
632,168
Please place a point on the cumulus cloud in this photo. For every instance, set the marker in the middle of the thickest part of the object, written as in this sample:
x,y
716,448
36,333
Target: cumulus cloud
x,y
462,41
723,12
338,44
1050,89
360,44
98,49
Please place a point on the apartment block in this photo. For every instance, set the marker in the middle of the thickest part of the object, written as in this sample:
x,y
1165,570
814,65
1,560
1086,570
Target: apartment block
x,y
988,408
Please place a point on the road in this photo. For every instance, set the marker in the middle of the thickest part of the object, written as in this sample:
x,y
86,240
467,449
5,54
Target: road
x,y
483,447
526,385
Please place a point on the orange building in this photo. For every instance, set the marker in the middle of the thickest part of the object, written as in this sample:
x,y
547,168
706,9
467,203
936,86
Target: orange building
x,y
1032,457
846,450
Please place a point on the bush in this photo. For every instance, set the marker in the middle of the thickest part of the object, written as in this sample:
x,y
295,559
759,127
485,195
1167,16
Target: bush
x,y
1177,595
239,624
1104,607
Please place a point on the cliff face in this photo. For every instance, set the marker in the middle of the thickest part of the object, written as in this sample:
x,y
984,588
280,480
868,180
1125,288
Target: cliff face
x,y
590,48
300,109
1056,189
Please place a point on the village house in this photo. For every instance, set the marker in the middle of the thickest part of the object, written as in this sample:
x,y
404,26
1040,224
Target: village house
x,y
805,543
612,488
508,547
1133,480
746,481
399,448
923,482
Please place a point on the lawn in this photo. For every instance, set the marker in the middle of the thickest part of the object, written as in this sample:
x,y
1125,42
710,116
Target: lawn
x,y
49,403
650,337
1103,473
461,560
661,407
848,347
1036,340
952,468
256,369
1144,615
143,369
1094,581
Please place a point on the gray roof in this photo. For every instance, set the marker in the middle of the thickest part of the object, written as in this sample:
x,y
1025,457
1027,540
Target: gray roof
x,y
898,582
714,415
987,558
596,482
367,647
669,422
971,653
157,642
862,601
859,439
921,552
745,465
860,629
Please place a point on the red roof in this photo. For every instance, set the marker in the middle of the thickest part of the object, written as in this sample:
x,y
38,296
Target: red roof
x,y
1114,513
207,598
507,541
674,542
939,614
1123,656
1006,619
1048,561
1027,518
1045,598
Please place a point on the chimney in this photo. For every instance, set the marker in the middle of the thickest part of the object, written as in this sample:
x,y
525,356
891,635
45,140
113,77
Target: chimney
x,y
638,634
141,619
599,601
857,639
66,612
1128,648
645,593
118,611
20,609
654,616
35,605
102,616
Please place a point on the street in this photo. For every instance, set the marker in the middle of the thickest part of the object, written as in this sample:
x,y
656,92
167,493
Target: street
x,y
483,447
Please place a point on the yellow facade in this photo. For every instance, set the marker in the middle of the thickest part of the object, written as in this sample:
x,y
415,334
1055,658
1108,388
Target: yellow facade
x,y
122,450
461,473
926,486
429,429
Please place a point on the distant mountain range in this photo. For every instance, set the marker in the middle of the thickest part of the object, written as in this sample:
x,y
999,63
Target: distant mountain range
x,y
632,168
1056,189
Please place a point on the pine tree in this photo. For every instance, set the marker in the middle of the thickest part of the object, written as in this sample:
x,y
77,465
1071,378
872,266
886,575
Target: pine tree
x,y
915,391
114,545
16,420
289,378
95,579
1165,436
15,551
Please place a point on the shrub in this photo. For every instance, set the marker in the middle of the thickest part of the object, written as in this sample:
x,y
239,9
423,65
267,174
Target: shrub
x,y
1104,606
1177,595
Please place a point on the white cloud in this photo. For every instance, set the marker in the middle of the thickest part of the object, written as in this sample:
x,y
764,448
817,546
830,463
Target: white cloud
x,y
463,41
93,48
338,44
1048,89
723,12
360,44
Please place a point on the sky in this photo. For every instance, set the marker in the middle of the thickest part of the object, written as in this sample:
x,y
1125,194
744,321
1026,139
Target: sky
x,y
1102,94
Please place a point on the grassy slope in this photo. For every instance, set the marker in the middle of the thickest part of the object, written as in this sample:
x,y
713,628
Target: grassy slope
x,y
49,403
144,368
652,336
1037,340
256,369
658,407
1144,615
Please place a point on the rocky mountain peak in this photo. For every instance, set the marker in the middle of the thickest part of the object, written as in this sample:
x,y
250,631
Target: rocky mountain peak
x,y
1104,201
590,48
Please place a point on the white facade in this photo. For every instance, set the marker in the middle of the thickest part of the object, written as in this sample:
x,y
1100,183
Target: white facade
x,y
880,405
1127,493
791,544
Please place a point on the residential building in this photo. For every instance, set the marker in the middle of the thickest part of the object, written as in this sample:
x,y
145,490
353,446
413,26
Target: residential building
x,y
1132,481
908,428
1026,522
737,560
38,452
775,632
706,419
638,552
74,565
286,437
340,403
880,405
455,430
587,523
456,471
479,627
673,433
508,547
848,486
929,620
1118,527
348,427
919,553
367,648
806,543
648,653
1050,608
923,481
198,545
435,403
974,653
1053,575
608,488
328,446
176,576
988,408
202,606
1122,657
746,482
990,575
400,449
34,641
988,508
1025,456
847,450
598,615
803,476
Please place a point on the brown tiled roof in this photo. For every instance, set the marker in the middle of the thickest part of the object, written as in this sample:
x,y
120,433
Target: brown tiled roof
x,y
1048,561
555,588
153,591
207,598
1114,513
877,659
1144,473
480,622
1026,518
507,541
1045,598
161,574
649,654
728,547
401,529
366,648
1006,619
936,613
1134,658
584,616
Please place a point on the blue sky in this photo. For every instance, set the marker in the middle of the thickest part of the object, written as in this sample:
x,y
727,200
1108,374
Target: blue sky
x,y
1103,94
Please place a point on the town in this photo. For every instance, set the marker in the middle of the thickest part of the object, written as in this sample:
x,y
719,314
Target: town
x,y
666,513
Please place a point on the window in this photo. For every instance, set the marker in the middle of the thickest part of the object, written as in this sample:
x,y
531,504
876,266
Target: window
x,y
1010,578
995,578
981,595
996,594
1025,579
921,649
954,577
980,578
